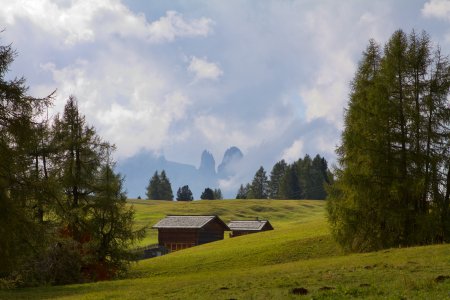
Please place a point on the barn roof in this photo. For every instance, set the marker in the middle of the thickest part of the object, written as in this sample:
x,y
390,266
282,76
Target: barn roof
x,y
187,222
250,225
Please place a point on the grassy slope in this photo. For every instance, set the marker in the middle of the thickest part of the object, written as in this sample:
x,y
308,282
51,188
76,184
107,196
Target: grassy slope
x,y
298,253
281,214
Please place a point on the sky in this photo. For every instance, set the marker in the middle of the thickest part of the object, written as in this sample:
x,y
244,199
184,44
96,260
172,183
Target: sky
x,y
176,77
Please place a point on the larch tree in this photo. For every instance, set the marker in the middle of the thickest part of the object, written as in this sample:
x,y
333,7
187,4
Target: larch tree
x,y
243,191
207,194
184,193
110,224
218,194
22,232
390,181
276,177
165,191
259,188
154,187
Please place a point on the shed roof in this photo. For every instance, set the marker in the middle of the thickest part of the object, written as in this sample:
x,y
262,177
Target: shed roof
x,y
250,225
187,222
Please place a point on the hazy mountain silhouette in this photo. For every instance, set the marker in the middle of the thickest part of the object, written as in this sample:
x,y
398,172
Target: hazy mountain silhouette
x,y
230,161
207,164
139,169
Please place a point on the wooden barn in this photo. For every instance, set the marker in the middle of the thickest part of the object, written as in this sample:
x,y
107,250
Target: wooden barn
x,y
181,232
246,227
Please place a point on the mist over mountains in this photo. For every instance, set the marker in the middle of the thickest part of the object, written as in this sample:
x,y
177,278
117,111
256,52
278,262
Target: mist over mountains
x,y
139,169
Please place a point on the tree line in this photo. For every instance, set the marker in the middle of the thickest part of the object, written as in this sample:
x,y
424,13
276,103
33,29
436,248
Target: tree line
x,y
63,212
303,179
160,188
392,182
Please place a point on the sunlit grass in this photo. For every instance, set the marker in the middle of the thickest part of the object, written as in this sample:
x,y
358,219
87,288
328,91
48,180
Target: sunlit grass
x,y
280,213
299,255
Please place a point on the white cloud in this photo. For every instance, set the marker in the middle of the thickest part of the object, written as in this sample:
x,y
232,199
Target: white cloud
x,y
85,21
437,9
288,65
135,110
219,131
202,69
173,25
294,152
337,43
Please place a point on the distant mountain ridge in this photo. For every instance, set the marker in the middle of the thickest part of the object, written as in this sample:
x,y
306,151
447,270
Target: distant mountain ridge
x,y
139,168
207,164
230,159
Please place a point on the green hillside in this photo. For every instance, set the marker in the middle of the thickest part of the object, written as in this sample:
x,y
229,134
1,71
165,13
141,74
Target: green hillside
x,y
281,213
297,257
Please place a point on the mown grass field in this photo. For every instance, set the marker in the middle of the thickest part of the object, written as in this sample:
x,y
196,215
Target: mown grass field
x,y
297,257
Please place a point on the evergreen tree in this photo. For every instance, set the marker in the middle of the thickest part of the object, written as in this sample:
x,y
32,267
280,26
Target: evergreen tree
x,y
93,212
318,177
184,194
110,225
79,156
153,188
243,191
304,170
260,185
390,184
22,232
165,190
290,184
276,176
208,194
218,194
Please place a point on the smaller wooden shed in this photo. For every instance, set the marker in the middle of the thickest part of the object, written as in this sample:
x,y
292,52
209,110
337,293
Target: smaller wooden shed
x,y
243,227
180,232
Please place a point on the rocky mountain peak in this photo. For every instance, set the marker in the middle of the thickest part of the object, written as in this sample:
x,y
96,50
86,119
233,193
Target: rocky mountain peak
x,y
230,158
207,164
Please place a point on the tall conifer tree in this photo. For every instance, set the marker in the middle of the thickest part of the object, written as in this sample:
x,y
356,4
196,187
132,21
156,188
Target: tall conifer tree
x,y
391,160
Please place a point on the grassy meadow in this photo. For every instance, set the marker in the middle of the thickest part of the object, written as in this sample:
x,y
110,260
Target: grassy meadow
x,y
296,260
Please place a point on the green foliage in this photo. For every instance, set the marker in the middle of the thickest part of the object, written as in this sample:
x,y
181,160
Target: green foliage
x,y
184,193
159,187
218,194
276,177
243,191
93,212
165,187
299,253
303,179
79,155
110,225
21,229
153,187
63,216
392,182
259,186
290,184
207,194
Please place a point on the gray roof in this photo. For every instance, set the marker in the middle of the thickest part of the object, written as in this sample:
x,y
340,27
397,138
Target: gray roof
x,y
185,221
248,225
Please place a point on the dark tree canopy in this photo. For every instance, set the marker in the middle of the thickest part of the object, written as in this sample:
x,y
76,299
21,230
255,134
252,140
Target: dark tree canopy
x,y
218,194
243,191
208,194
63,217
165,187
259,188
159,187
23,185
153,187
276,178
392,182
303,179
184,194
